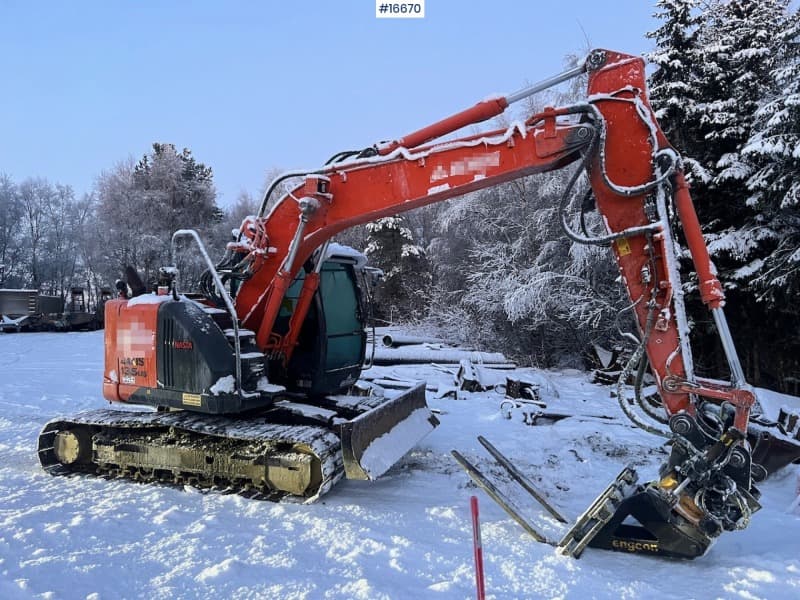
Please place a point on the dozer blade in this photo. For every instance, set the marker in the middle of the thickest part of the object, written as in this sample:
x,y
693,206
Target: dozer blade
x,y
375,440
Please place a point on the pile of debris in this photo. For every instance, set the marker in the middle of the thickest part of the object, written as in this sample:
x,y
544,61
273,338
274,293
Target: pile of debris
x,y
523,396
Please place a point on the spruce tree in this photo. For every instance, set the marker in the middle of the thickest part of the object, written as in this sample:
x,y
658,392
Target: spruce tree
x,y
735,57
674,85
774,149
402,294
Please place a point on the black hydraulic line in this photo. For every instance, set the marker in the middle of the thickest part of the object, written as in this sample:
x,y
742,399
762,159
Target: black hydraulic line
x,y
643,363
626,371
278,180
370,319
602,240
639,358
340,156
641,401
587,204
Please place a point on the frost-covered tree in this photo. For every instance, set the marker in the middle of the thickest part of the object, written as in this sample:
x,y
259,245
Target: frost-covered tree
x,y
122,231
177,190
65,217
142,204
738,48
244,206
509,279
739,53
674,85
74,268
403,293
11,273
774,150
42,235
36,195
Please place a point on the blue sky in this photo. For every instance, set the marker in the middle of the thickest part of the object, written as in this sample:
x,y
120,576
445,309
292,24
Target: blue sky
x,y
254,86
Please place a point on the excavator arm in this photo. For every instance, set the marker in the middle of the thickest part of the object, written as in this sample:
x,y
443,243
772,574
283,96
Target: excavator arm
x,y
636,180
634,175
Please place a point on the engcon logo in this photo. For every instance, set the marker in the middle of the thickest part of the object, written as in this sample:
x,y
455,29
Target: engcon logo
x,y
629,546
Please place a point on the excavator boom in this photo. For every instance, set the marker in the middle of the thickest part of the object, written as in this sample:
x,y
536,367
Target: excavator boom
x,y
633,173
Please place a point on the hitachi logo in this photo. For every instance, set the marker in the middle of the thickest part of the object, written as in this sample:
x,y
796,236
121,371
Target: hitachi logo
x,y
628,546
182,345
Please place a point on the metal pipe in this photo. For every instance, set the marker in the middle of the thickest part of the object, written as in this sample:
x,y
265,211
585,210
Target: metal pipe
x,y
579,69
308,207
737,374
294,246
321,259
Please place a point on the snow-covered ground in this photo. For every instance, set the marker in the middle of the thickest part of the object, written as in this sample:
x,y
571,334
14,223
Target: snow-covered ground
x,y
407,535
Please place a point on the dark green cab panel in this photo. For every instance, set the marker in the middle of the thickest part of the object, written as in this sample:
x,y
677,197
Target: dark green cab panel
x,y
332,342
345,331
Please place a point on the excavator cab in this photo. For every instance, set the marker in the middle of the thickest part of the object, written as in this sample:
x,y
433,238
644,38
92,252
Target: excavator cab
x,y
193,365
332,342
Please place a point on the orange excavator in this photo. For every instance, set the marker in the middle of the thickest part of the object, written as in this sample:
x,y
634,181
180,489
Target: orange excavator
x,y
254,379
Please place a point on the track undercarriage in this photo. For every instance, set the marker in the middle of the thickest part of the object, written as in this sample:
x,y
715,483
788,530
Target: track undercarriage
x,y
292,450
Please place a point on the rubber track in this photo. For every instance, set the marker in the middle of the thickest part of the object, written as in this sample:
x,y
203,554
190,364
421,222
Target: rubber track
x,y
324,444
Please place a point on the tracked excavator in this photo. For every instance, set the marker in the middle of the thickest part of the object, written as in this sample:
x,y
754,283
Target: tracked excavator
x,y
253,379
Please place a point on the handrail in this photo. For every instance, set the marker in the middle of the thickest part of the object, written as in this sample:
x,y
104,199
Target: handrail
x,y
222,292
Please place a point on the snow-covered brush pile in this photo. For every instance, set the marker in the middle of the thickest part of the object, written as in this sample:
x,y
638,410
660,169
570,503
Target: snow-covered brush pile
x,y
407,535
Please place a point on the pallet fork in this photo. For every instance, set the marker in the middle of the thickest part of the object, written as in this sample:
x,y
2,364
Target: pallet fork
x,y
626,516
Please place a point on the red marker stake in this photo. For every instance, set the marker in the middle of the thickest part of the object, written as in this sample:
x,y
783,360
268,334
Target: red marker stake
x,y
476,543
